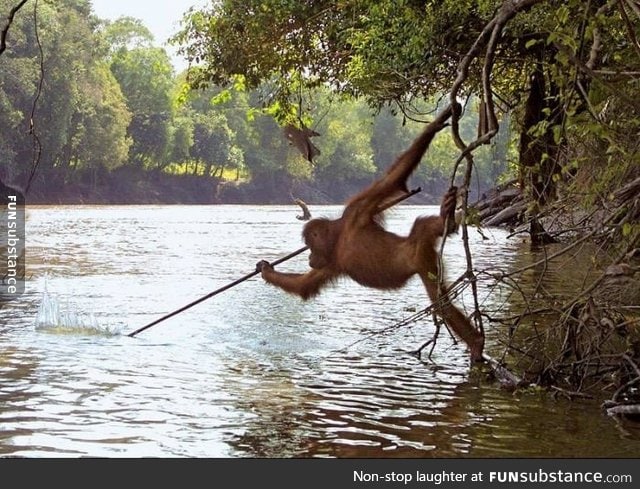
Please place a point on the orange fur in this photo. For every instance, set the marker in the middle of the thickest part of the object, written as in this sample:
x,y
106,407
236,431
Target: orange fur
x,y
357,245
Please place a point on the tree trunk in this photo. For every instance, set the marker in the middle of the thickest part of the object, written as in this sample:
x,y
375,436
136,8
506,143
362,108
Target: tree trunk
x,y
538,152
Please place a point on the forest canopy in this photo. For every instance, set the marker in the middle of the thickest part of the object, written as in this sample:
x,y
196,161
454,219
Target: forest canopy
x,y
566,71
91,110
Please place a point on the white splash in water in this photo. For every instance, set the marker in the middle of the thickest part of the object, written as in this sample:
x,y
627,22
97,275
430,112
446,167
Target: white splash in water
x,y
54,319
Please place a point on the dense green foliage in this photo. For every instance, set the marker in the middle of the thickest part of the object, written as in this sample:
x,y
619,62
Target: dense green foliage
x,y
116,124
568,71
114,120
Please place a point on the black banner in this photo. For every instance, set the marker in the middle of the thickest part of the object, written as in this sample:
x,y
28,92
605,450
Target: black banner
x,y
330,473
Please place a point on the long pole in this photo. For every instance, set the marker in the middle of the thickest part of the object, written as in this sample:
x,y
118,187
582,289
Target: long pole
x,y
255,272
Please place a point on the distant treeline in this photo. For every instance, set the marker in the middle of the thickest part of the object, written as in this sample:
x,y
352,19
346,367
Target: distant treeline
x,y
117,125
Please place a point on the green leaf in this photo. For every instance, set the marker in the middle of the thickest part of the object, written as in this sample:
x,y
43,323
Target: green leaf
x,y
223,97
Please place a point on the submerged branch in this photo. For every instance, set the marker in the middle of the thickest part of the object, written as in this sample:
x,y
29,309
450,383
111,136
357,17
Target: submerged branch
x,y
633,409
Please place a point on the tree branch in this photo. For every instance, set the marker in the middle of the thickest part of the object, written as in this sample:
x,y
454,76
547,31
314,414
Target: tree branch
x,y
5,29
37,145
489,37
630,28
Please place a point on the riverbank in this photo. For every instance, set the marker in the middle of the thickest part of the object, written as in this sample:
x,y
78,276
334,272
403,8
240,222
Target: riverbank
x,y
590,341
127,186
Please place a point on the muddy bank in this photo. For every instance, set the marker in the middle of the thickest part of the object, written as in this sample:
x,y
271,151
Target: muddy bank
x,y
136,187
586,341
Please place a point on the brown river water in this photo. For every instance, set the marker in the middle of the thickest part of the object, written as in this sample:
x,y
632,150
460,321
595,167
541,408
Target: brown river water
x,y
253,372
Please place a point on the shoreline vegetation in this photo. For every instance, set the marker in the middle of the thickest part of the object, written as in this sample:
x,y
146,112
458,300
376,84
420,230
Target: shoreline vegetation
x,y
163,188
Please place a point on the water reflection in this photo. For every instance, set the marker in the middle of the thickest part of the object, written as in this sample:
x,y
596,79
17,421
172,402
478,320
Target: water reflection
x,y
254,373
17,369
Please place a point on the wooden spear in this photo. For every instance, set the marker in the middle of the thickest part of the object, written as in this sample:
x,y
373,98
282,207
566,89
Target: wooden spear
x,y
246,277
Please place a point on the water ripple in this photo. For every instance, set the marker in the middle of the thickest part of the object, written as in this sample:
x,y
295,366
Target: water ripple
x,y
252,372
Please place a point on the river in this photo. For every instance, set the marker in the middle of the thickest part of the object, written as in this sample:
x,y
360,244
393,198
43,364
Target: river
x,y
251,372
